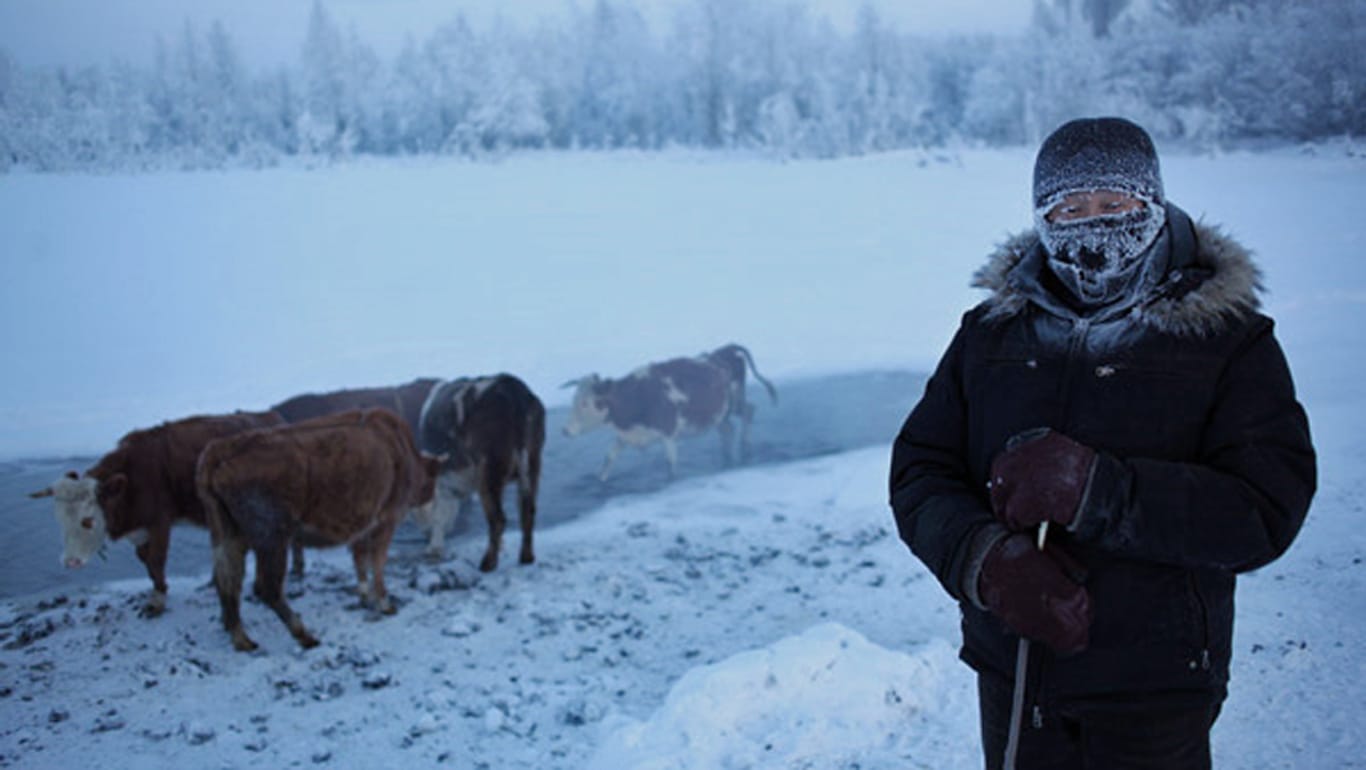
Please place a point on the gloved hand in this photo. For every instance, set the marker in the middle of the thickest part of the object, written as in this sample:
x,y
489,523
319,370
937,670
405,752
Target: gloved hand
x,y
1041,476
1031,591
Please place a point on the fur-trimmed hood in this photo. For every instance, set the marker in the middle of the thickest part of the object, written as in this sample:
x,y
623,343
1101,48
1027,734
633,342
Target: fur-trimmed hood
x,y
1211,280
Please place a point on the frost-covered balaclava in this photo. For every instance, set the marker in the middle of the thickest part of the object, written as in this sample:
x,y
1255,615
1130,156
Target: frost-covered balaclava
x,y
1098,259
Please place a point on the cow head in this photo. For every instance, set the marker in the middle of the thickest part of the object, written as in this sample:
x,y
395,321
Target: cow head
x,y
80,515
590,404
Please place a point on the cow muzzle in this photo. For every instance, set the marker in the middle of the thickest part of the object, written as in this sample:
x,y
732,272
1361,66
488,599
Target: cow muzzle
x,y
73,562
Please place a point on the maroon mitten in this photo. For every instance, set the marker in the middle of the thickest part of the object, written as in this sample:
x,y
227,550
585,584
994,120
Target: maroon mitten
x,y
1029,590
1041,476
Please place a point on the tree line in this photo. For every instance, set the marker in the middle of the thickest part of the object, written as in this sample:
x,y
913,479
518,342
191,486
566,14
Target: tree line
x,y
762,75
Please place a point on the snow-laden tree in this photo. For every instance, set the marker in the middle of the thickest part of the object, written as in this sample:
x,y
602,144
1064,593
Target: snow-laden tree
x,y
506,112
614,69
340,89
766,74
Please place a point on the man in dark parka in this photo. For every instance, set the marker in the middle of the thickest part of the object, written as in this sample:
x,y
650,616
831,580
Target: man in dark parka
x,y
1120,387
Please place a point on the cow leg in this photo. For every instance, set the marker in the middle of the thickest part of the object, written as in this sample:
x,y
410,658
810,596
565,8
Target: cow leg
x,y
271,563
491,497
152,554
360,559
378,548
611,458
296,565
528,480
746,417
229,559
671,452
444,509
727,433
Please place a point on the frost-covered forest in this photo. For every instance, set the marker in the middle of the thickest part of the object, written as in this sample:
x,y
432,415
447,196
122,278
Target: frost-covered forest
x,y
764,75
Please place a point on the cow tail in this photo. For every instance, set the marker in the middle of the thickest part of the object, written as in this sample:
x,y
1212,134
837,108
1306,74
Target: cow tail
x,y
215,508
772,391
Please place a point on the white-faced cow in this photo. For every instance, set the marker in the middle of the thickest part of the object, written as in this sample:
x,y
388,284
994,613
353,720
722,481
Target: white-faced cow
x,y
137,491
492,430
665,400
346,478
405,400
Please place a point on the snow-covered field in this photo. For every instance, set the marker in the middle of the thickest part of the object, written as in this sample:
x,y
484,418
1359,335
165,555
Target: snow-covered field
x,y
765,617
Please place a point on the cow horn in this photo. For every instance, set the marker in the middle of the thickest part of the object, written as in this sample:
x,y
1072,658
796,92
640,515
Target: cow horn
x,y
41,493
572,383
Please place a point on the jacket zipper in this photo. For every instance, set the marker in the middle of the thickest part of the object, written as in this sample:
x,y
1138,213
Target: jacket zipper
x,y
1069,370
1078,338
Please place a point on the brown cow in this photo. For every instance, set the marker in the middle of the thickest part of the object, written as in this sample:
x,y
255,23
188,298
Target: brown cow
x,y
139,490
492,430
406,400
346,478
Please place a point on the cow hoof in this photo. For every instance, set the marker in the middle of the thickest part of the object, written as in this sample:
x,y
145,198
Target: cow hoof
x,y
242,643
308,641
527,558
155,606
488,564
434,553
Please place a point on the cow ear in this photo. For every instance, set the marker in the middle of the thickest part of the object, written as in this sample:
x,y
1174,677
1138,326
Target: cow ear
x,y
41,493
113,487
74,476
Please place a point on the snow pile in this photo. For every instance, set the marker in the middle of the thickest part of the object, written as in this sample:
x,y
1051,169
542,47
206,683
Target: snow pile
x,y
824,698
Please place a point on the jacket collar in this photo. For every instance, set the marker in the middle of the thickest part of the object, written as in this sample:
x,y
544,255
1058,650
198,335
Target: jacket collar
x,y
1210,281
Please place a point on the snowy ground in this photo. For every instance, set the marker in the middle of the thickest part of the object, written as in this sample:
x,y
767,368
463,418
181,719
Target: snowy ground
x,y
760,618
765,617
537,666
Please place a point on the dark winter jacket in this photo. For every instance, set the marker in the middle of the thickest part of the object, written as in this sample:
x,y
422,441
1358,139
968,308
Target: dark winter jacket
x,y
1205,464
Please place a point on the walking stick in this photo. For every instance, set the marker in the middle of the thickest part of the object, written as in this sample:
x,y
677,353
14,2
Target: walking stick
x,y
1021,670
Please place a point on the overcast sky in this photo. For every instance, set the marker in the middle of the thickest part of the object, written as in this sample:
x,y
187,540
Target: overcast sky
x,y
268,32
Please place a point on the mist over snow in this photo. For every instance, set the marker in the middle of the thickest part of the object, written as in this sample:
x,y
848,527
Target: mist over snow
x,y
269,31
767,616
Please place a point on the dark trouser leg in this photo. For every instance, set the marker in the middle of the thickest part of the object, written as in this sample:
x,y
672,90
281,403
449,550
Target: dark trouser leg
x,y
1169,737
1054,743
1139,733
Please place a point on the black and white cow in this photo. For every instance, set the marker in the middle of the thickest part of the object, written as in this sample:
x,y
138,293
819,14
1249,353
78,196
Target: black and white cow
x,y
660,402
734,359
492,430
